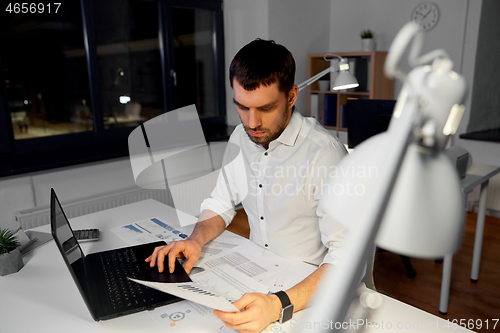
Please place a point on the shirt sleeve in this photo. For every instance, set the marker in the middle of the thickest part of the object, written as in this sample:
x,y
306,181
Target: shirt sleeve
x,y
231,186
333,234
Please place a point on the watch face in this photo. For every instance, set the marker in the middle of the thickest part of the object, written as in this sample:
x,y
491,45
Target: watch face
x,y
426,14
286,314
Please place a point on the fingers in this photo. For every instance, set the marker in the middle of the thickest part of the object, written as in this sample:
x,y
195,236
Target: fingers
x,y
159,255
237,318
172,257
188,266
258,313
173,250
245,300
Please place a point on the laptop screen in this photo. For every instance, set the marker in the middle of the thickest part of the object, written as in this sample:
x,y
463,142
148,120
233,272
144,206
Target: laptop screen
x,y
68,245
63,233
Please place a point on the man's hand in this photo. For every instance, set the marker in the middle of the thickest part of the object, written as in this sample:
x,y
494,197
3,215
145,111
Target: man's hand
x,y
260,311
190,249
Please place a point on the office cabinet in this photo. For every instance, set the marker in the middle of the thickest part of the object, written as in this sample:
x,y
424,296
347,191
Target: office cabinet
x,y
328,106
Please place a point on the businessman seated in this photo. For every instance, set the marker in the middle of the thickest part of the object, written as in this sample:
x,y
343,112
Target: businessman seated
x,y
287,159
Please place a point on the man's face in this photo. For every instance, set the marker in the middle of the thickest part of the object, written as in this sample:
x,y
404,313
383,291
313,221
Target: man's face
x,y
264,112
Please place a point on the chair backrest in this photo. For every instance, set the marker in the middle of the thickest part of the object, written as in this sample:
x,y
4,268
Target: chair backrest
x,y
370,263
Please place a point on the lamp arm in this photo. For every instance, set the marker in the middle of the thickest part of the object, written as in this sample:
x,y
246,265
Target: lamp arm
x,y
338,286
419,104
314,78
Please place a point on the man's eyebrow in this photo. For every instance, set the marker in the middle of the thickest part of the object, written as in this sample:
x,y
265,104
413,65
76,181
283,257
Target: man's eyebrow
x,y
239,104
262,107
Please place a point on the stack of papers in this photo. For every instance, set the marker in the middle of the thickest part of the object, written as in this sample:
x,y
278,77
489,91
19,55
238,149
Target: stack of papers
x,y
229,267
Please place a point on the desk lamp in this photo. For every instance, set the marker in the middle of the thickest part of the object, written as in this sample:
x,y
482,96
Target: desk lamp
x,y
169,152
405,193
344,80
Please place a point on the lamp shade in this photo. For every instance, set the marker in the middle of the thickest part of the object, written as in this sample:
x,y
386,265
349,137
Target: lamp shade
x,y
425,214
344,80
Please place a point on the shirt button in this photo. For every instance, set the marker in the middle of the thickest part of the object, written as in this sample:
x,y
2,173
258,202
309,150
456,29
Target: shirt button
x,y
260,185
262,217
265,153
266,245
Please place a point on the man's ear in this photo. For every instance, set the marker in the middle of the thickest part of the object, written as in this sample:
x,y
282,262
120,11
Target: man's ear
x,y
292,95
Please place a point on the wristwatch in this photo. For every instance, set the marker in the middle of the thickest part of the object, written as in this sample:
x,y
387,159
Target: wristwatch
x,y
286,312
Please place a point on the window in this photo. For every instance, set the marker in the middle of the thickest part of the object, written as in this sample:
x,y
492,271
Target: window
x,y
47,88
79,80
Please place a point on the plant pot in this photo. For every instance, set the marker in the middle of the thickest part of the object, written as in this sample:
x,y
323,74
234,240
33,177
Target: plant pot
x,y
367,44
11,262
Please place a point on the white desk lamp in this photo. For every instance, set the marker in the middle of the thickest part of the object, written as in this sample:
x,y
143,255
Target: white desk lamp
x,y
405,192
345,80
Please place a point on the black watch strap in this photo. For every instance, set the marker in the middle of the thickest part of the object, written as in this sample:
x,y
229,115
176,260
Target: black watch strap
x,y
286,307
285,301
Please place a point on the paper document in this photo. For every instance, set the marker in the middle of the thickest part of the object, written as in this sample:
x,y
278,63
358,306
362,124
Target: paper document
x,y
193,292
150,230
183,316
229,282
216,288
225,241
248,259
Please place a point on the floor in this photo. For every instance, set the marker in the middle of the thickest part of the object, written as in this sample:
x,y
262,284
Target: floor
x,y
477,301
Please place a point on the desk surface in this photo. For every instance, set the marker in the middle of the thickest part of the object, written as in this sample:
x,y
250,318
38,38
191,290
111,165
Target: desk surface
x,y
477,174
43,296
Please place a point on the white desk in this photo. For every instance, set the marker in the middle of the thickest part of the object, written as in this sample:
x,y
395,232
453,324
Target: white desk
x,y
42,297
478,174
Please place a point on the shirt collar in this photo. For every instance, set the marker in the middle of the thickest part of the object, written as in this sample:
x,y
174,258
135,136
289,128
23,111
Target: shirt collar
x,y
291,132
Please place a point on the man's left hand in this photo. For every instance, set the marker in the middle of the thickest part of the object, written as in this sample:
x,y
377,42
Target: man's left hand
x,y
260,311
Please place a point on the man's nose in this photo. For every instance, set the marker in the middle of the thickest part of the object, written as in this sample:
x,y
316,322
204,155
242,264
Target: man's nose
x,y
254,120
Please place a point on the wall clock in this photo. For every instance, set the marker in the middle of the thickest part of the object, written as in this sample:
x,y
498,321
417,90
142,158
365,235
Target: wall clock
x,y
426,14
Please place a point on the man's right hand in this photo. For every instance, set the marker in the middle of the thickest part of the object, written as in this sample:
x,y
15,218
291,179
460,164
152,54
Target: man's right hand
x,y
190,249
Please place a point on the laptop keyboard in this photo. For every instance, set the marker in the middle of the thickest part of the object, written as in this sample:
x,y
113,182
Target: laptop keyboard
x,y
123,293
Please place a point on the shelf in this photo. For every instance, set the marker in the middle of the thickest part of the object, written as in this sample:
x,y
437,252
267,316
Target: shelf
x,y
354,93
369,70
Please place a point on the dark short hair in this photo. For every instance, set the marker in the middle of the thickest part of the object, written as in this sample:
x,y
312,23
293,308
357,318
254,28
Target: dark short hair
x,y
263,62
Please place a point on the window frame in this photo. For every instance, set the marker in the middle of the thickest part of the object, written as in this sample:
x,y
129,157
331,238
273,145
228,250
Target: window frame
x,y
43,153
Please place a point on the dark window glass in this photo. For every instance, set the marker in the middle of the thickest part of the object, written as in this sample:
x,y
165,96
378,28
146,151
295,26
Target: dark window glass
x,y
194,48
45,72
94,70
129,62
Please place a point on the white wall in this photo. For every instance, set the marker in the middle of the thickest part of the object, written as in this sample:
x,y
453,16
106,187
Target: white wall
x,y
70,183
386,17
303,27
244,21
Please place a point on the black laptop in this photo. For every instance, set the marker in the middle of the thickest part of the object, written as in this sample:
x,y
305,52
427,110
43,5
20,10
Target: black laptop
x,y
102,278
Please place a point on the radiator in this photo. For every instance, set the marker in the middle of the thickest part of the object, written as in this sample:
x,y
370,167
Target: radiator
x,y
37,216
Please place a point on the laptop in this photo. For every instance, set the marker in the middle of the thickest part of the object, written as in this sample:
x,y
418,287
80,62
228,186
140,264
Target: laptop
x,y
102,277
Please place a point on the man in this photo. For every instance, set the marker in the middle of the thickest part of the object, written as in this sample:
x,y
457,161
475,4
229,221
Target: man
x,y
287,158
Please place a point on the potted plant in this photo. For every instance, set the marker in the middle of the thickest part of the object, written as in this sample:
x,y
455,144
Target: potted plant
x,y
367,41
11,260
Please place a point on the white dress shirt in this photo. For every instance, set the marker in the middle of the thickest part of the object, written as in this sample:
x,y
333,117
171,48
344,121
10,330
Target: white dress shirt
x,y
279,189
